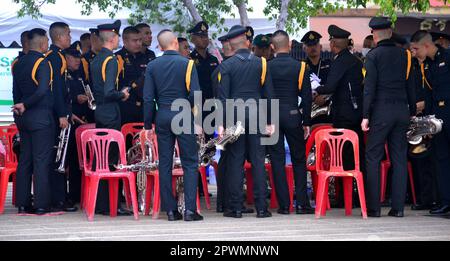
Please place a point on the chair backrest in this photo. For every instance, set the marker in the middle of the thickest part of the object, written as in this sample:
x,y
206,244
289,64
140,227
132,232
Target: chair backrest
x,y
7,134
99,142
78,133
130,130
311,139
334,140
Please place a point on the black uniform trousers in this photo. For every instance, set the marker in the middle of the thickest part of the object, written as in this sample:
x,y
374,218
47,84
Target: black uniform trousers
x,y
424,169
236,154
36,158
221,180
389,123
189,160
442,149
58,181
74,188
295,138
105,120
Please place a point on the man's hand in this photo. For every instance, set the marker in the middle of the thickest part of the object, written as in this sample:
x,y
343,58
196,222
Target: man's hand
x,y
220,131
365,125
420,107
82,99
198,129
75,119
127,94
270,129
307,132
63,123
18,109
320,100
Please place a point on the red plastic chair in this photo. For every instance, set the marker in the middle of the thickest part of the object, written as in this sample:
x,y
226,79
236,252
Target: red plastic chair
x,y
78,133
309,145
249,182
7,134
334,140
152,191
99,141
384,170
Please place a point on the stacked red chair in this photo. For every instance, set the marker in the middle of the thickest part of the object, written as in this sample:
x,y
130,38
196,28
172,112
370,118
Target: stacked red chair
x,y
9,169
334,140
78,133
98,141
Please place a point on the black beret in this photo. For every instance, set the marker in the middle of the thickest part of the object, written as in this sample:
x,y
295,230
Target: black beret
x,y
200,28
336,32
377,23
114,27
398,39
74,50
311,38
236,31
262,41
94,31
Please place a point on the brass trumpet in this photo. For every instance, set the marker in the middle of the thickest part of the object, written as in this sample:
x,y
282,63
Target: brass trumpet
x,y
61,152
87,90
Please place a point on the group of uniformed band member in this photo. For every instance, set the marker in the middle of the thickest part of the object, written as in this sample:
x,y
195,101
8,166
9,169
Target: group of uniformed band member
x,y
376,94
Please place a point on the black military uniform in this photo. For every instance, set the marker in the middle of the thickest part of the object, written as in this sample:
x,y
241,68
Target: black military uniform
x,y
321,69
75,81
32,87
132,75
242,77
168,78
104,72
88,57
345,84
437,72
389,88
62,109
290,81
421,156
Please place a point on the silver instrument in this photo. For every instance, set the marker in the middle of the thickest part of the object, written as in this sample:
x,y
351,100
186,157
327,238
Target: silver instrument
x,y
87,90
311,160
317,110
61,152
231,135
206,150
423,126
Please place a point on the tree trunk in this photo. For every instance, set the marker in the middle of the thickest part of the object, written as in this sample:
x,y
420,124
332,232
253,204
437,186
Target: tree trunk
x,y
242,7
282,18
192,10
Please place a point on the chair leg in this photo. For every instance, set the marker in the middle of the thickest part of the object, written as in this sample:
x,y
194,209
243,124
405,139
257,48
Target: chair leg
x,y
14,188
290,181
411,182
348,195
362,196
320,196
148,194
113,196
314,180
205,187
93,189
249,180
198,202
132,188
4,179
326,198
156,198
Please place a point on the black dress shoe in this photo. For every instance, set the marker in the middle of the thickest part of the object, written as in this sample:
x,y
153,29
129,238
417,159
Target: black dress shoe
x,y
283,211
233,214
123,212
174,215
192,216
41,211
247,210
25,210
421,207
219,209
373,213
442,210
304,210
64,207
263,214
395,213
